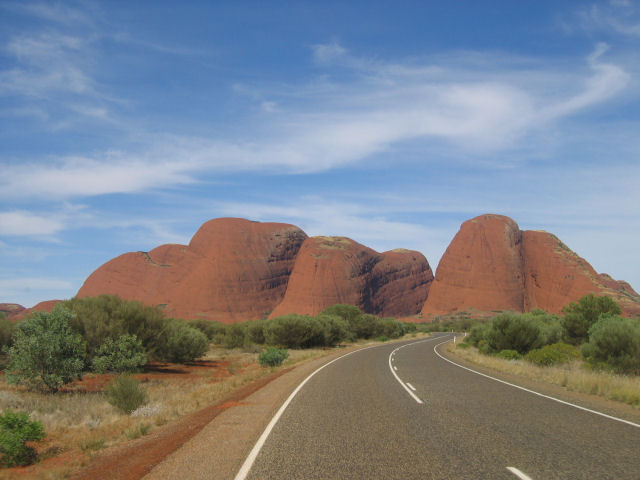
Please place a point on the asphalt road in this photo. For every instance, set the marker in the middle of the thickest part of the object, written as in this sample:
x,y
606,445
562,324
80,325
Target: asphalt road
x,y
354,419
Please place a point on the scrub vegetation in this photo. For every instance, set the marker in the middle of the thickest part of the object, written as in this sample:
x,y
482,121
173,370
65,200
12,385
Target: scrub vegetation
x,y
590,348
95,372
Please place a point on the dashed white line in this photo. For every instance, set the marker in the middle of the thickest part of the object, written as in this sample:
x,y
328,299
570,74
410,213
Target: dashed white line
x,y
518,473
411,386
595,412
391,367
395,368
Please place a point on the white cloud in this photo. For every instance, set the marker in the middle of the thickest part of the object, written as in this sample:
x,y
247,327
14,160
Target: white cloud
x,y
21,223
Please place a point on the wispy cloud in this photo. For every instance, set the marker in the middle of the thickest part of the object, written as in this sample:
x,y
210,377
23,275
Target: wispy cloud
x,y
23,223
342,124
621,17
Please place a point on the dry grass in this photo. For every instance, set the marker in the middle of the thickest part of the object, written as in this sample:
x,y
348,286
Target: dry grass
x,y
78,424
573,376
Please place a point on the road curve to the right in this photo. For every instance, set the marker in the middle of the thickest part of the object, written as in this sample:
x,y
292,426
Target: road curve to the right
x,y
355,420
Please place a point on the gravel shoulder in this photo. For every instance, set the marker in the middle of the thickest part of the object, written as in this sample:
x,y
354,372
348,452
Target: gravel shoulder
x,y
219,449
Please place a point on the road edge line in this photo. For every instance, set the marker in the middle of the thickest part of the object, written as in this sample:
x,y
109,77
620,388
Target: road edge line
x,y
595,412
253,454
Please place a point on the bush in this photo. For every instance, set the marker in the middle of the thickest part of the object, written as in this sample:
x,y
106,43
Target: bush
x,y
126,393
509,355
46,352
15,430
7,328
210,328
108,316
336,329
180,343
235,336
125,354
255,331
512,332
580,316
272,357
614,343
478,333
295,331
553,354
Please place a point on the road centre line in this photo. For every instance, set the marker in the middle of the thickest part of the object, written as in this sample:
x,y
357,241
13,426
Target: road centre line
x,y
251,458
391,367
518,473
595,412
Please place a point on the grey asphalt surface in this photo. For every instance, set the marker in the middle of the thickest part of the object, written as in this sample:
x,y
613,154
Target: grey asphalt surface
x,y
353,420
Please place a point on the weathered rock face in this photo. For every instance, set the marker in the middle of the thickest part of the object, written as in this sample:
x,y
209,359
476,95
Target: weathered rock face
x,y
492,265
21,312
330,270
401,281
480,269
233,269
11,309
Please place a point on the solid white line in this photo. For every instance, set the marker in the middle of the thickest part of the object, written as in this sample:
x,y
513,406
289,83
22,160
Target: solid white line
x,y
518,473
251,458
411,386
595,412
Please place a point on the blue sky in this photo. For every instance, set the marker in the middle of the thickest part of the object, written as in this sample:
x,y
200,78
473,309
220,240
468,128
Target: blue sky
x,y
125,125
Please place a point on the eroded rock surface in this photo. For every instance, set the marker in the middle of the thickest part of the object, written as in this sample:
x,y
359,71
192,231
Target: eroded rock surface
x,y
330,270
491,265
233,269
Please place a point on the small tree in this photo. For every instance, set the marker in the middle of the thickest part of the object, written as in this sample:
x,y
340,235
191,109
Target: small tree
x,y
180,343
614,342
580,316
15,430
124,354
126,393
46,353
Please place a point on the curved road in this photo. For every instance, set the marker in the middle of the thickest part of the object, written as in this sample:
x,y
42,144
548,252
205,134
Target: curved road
x,y
356,419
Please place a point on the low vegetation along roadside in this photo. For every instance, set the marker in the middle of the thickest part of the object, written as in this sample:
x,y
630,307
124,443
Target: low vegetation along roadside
x,y
589,349
97,372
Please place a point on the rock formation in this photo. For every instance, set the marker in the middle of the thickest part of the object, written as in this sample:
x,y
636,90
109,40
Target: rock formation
x,y
330,270
491,265
11,309
233,269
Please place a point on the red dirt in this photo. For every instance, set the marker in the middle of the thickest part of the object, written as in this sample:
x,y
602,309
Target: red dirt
x,y
135,459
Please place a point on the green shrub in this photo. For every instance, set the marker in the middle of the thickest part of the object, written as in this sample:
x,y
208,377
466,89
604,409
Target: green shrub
x,y
15,430
336,329
614,343
46,351
510,331
272,357
108,316
235,336
509,355
478,333
126,393
255,331
6,331
579,317
180,343
125,354
210,328
295,331
383,338
554,354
